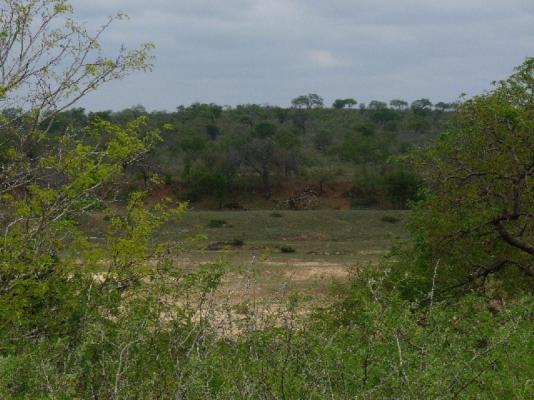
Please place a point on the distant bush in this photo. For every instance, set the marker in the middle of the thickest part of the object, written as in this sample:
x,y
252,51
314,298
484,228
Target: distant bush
x,y
287,249
202,181
217,223
216,246
402,187
389,219
237,242
366,191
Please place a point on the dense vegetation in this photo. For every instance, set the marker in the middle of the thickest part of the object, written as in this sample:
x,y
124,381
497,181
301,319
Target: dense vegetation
x,y
227,156
448,315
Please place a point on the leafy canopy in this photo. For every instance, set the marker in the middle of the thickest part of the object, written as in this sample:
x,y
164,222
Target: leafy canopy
x,y
478,212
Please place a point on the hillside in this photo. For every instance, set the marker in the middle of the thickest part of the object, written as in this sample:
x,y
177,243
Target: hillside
x,y
255,156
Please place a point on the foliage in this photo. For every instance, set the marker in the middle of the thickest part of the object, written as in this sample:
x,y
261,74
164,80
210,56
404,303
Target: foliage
x,y
287,249
204,142
112,317
421,106
216,223
477,213
308,101
344,103
50,60
370,344
403,187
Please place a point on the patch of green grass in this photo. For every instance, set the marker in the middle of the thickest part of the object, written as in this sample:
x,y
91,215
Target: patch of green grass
x,y
258,250
341,236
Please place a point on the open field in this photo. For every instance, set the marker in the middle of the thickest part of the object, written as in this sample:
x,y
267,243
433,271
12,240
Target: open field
x,y
269,252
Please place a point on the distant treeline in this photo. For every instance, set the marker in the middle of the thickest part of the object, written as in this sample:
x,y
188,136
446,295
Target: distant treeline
x,y
261,156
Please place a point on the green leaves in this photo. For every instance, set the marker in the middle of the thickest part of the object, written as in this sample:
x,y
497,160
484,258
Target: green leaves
x,y
479,182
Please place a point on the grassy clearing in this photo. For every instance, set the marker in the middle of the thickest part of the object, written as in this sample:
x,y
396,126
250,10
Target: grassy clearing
x,y
271,255
330,236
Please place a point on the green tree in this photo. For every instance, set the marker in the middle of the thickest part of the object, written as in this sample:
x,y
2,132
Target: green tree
x,y
402,187
442,106
398,104
311,100
377,105
344,103
350,103
261,156
338,104
301,102
421,107
477,213
49,61
323,140
315,100
384,115
265,130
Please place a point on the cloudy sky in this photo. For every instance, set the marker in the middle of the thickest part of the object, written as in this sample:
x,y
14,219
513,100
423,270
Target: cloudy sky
x,y
269,51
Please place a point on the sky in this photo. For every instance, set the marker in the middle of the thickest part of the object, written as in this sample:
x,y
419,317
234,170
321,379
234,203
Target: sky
x,y
269,51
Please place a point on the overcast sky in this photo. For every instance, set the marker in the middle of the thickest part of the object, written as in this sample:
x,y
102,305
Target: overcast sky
x,y
269,51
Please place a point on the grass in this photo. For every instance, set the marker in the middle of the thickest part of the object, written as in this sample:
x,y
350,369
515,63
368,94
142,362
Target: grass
x,y
297,251
346,237
319,246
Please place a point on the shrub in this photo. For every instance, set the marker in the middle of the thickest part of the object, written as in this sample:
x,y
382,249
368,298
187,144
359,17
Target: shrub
x,y
368,344
237,242
216,246
204,182
402,187
216,223
287,249
366,191
389,219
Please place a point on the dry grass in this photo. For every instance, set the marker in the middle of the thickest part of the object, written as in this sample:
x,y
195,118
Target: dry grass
x,y
326,242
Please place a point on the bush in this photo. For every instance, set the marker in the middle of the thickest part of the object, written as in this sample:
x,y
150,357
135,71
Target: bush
x,y
204,182
237,242
402,187
369,344
216,223
389,219
366,192
287,249
216,246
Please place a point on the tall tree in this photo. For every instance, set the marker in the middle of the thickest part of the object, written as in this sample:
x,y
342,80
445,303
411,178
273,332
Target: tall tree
x,y
399,104
421,106
377,105
477,215
48,61
311,100
344,103
260,156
